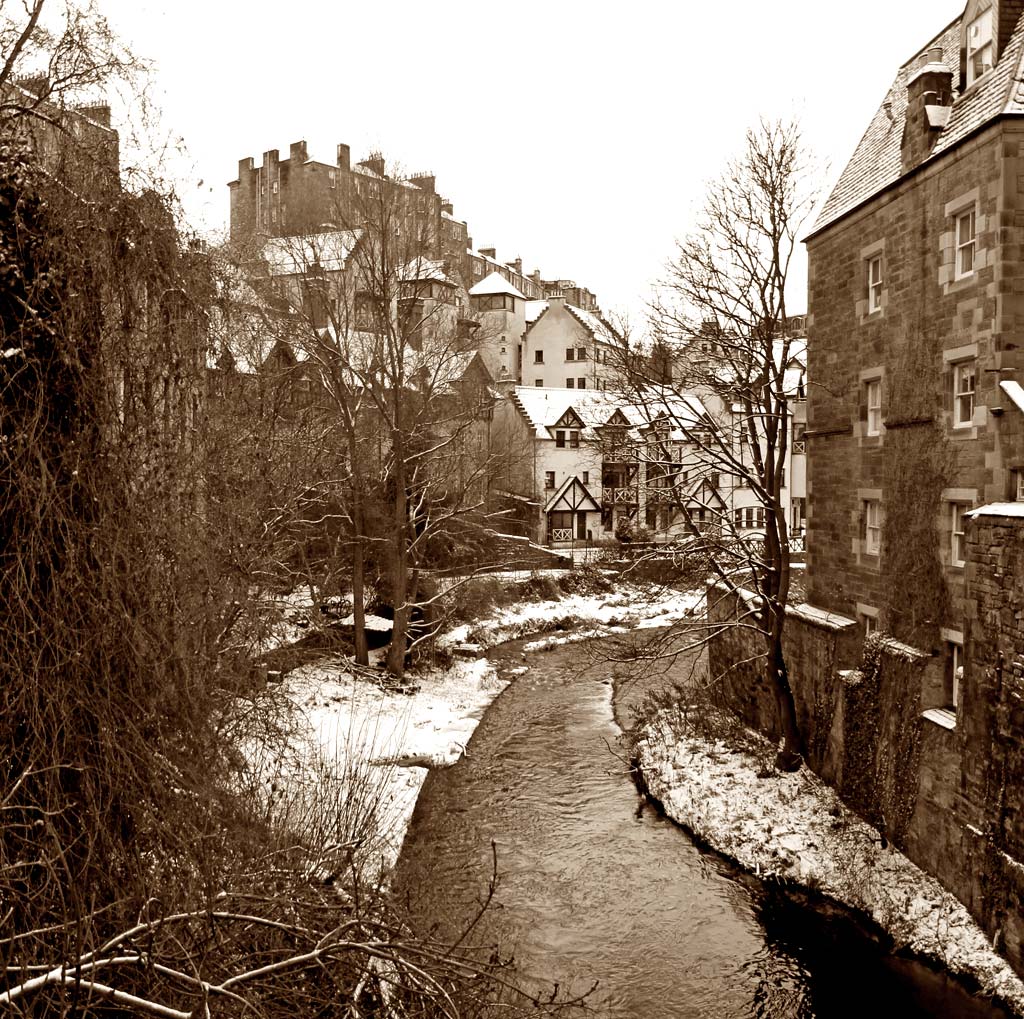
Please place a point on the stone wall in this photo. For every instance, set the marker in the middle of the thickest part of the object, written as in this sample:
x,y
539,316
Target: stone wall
x,y
920,463
947,790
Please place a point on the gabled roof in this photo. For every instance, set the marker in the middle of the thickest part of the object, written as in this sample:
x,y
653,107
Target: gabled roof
x,y
292,256
571,497
494,283
596,326
570,419
543,407
876,162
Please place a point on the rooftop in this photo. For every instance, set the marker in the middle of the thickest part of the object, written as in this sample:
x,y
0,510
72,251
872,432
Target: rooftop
x,y
876,162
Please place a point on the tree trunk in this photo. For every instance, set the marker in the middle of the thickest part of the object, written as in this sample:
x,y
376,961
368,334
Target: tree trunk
x,y
399,578
790,755
358,600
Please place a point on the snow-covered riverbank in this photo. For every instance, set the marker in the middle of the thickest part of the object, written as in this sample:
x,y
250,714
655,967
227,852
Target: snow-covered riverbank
x,y
385,740
794,827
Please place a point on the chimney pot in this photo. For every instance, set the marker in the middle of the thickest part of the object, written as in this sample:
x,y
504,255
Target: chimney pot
x,y
344,156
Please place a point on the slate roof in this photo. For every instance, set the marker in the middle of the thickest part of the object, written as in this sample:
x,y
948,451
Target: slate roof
x,y
876,161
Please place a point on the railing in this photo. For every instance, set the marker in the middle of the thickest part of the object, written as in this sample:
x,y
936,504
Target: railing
x,y
619,497
561,534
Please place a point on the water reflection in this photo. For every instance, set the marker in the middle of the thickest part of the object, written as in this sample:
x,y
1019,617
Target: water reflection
x,y
592,889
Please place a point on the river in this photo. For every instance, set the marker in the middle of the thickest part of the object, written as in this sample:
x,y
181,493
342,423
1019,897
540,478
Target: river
x,y
596,887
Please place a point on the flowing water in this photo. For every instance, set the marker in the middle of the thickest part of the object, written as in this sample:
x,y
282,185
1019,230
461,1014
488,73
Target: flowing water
x,y
594,886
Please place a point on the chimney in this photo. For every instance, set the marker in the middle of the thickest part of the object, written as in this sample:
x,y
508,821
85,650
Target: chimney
x,y
298,152
425,182
37,84
929,99
374,162
1007,13
448,207
518,266
245,167
535,276
271,158
97,114
344,158
489,252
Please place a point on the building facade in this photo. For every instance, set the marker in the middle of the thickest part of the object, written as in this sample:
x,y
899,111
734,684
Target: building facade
x,y
916,293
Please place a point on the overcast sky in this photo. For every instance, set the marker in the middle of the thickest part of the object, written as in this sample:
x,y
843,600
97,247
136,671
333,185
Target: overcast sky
x,y
576,135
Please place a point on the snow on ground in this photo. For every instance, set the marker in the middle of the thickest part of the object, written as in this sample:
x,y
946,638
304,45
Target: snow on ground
x,y
387,737
355,725
795,827
632,606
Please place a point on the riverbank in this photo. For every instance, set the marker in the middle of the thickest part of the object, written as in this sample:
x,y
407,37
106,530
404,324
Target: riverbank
x,y
793,829
382,740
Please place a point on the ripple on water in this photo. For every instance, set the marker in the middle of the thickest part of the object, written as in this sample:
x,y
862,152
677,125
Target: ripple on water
x,y
591,889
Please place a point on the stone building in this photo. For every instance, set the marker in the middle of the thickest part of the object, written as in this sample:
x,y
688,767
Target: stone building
x,y
916,294
299,195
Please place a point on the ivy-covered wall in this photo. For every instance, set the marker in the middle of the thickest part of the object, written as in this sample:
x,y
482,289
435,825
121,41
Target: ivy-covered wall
x,y
991,727
951,797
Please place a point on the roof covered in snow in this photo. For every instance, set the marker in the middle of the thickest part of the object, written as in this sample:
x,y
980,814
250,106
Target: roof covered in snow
x,y
495,283
425,269
292,256
876,163
998,509
543,407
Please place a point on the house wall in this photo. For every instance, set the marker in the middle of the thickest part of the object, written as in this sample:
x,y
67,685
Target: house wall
x,y
555,331
920,463
951,796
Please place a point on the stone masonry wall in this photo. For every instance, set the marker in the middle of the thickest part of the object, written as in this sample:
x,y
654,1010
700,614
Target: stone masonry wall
x,y
950,796
928,320
991,727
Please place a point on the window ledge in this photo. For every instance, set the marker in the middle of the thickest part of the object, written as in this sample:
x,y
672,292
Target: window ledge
x,y
941,716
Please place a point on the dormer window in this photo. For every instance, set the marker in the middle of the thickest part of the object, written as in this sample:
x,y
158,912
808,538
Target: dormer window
x,y
979,46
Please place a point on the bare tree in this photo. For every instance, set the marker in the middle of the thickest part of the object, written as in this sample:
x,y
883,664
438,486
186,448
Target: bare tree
x,y
382,321
725,337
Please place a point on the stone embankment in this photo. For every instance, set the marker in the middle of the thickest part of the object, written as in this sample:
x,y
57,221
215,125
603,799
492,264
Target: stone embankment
x,y
792,829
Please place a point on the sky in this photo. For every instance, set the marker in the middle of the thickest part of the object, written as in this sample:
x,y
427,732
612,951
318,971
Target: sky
x,y
579,136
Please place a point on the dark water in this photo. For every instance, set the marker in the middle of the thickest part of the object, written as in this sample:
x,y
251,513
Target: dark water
x,y
595,887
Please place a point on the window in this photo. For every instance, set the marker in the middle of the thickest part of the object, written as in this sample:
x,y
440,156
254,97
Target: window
x,y
549,479
538,357
581,383
870,624
1017,478
560,439
874,284
799,442
586,477
965,242
574,439
954,676
873,392
748,517
979,46
799,515
957,543
872,527
964,377
581,353
275,187
332,178
538,382
570,353
570,383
